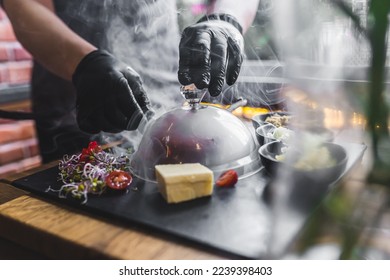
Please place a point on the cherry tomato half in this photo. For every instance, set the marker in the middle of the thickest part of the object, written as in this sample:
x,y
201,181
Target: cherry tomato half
x,y
118,180
227,178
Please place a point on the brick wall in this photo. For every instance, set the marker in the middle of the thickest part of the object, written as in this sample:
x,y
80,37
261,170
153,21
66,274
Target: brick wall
x,y
18,143
15,62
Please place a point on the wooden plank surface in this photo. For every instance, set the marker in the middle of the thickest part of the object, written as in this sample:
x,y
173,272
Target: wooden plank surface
x,y
58,232
13,251
8,192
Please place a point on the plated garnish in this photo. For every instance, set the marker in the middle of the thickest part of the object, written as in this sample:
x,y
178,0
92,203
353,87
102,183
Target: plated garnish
x,y
309,153
314,157
91,172
227,179
279,120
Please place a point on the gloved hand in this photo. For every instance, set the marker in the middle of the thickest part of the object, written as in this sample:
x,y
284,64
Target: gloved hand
x,y
211,51
110,96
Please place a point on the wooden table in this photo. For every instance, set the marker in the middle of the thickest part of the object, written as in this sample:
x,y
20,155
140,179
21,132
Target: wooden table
x,y
35,228
32,227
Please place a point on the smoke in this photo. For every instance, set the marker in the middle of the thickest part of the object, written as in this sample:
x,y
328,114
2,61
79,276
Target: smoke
x,y
262,76
141,34
326,64
325,55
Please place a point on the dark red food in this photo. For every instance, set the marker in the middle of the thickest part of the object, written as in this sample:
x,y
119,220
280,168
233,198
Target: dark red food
x,y
87,153
118,180
227,178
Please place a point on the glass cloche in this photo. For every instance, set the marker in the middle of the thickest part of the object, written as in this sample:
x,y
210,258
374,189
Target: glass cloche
x,y
196,133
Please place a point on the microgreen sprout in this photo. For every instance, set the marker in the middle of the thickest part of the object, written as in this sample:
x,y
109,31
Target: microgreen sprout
x,y
86,173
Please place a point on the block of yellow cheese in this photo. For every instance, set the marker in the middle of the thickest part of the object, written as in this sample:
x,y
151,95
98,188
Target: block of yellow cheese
x,y
182,182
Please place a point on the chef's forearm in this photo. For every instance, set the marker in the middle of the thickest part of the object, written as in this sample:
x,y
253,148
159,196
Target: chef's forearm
x,y
243,11
45,36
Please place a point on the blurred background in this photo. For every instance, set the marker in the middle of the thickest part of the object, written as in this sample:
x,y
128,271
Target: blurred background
x,y
262,78
18,144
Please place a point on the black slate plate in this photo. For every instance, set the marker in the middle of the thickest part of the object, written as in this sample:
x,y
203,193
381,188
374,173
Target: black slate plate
x,y
234,220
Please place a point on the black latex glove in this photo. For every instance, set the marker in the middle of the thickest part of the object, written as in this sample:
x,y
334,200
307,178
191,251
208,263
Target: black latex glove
x,y
211,52
110,96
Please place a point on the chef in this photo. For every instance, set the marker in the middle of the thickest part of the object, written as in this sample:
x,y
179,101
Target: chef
x,y
101,65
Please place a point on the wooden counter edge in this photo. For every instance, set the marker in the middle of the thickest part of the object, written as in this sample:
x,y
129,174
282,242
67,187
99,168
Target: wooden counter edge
x,y
61,233
8,192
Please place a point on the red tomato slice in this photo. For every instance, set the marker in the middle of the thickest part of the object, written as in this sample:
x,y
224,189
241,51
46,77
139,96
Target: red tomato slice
x,y
227,178
118,180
